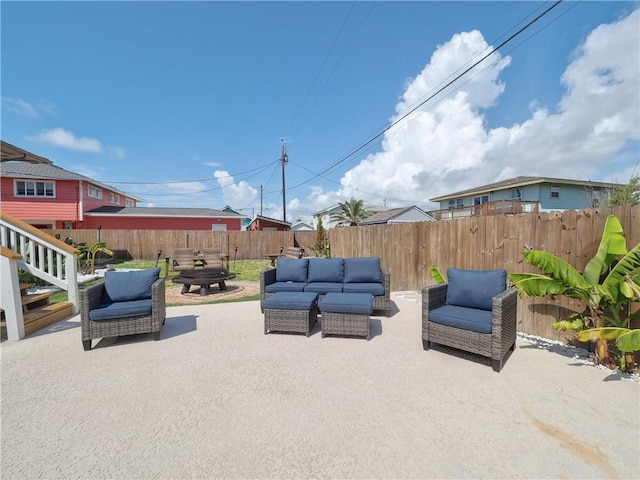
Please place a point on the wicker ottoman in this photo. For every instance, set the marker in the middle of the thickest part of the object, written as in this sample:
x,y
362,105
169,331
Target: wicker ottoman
x,y
346,314
295,312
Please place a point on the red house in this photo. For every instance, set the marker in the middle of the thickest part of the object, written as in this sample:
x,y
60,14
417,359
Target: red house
x,y
268,224
34,190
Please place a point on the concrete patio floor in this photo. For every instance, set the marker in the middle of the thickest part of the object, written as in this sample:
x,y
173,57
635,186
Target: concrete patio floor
x,y
216,398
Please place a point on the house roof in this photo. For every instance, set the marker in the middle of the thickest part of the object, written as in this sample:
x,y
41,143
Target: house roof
x,y
387,215
46,171
107,211
271,220
520,182
10,152
328,210
298,225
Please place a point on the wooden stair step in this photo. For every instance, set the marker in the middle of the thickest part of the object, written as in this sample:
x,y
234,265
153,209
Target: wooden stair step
x,y
42,317
35,300
24,287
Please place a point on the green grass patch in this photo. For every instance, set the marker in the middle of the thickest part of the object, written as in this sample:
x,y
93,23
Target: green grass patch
x,y
245,270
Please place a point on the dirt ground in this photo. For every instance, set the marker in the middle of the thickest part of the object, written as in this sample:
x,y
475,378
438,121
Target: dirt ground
x,y
235,290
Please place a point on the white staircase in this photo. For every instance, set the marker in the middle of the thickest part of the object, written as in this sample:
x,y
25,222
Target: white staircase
x,y
24,247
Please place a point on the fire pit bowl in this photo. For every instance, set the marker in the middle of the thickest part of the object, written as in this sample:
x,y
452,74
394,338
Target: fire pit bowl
x,y
204,277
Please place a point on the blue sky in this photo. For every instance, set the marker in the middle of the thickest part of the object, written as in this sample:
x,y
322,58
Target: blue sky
x,y
186,103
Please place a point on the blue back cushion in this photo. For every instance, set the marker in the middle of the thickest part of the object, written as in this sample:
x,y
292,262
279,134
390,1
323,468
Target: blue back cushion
x,y
126,286
292,270
362,270
325,270
474,288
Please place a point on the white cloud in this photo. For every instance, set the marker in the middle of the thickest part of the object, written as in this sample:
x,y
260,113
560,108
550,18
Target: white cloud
x,y
19,106
445,146
232,192
60,137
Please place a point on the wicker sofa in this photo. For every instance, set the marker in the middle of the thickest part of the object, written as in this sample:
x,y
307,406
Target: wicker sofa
x,y
126,303
326,275
474,312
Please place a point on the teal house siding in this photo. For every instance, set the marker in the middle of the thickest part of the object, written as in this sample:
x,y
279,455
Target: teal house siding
x,y
550,193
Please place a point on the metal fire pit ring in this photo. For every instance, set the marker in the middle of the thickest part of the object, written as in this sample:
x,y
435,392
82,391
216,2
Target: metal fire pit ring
x,y
204,277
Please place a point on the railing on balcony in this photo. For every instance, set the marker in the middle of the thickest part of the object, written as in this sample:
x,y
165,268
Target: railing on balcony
x,y
38,253
498,207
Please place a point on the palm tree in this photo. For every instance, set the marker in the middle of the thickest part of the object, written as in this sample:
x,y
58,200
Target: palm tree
x,y
351,213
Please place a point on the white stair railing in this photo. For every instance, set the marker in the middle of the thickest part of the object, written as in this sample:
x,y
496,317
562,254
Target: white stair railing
x,y
41,255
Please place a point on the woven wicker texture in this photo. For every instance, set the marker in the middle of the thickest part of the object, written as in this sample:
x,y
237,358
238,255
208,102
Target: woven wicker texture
x,y
494,345
290,321
91,297
381,303
345,324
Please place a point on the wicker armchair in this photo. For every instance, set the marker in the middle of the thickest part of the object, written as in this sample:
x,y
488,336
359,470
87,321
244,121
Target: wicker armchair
x,y
141,310
485,323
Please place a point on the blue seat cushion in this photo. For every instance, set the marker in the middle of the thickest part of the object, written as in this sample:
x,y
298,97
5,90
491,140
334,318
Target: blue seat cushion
x,y
323,287
292,270
131,308
290,301
358,303
474,288
325,270
285,287
125,286
372,288
362,270
472,319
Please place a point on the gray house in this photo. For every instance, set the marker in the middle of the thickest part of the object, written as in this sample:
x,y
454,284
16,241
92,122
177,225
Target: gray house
x,y
398,215
524,194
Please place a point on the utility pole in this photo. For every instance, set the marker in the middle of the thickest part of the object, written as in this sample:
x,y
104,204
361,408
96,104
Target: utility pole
x,y
284,159
260,200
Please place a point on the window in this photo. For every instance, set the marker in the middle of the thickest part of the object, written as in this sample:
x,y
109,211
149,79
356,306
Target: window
x,y
219,227
456,203
480,200
31,188
555,192
516,194
94,192
114,198
129,203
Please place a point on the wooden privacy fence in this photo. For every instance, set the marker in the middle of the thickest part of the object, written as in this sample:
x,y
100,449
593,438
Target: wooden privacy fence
x,y
407,250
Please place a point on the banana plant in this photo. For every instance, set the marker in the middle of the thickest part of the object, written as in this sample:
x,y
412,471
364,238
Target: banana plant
x,y
608,285
89,253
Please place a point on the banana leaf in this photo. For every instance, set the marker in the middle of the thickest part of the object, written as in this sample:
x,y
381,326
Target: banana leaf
x,y
606,333
631,286
597,265
556,268
437,276
630,342
614,232
626,340
537,285
574,322
627,266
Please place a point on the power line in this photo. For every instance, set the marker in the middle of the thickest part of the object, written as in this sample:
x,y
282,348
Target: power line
x,y
208,179
440,90
324,61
